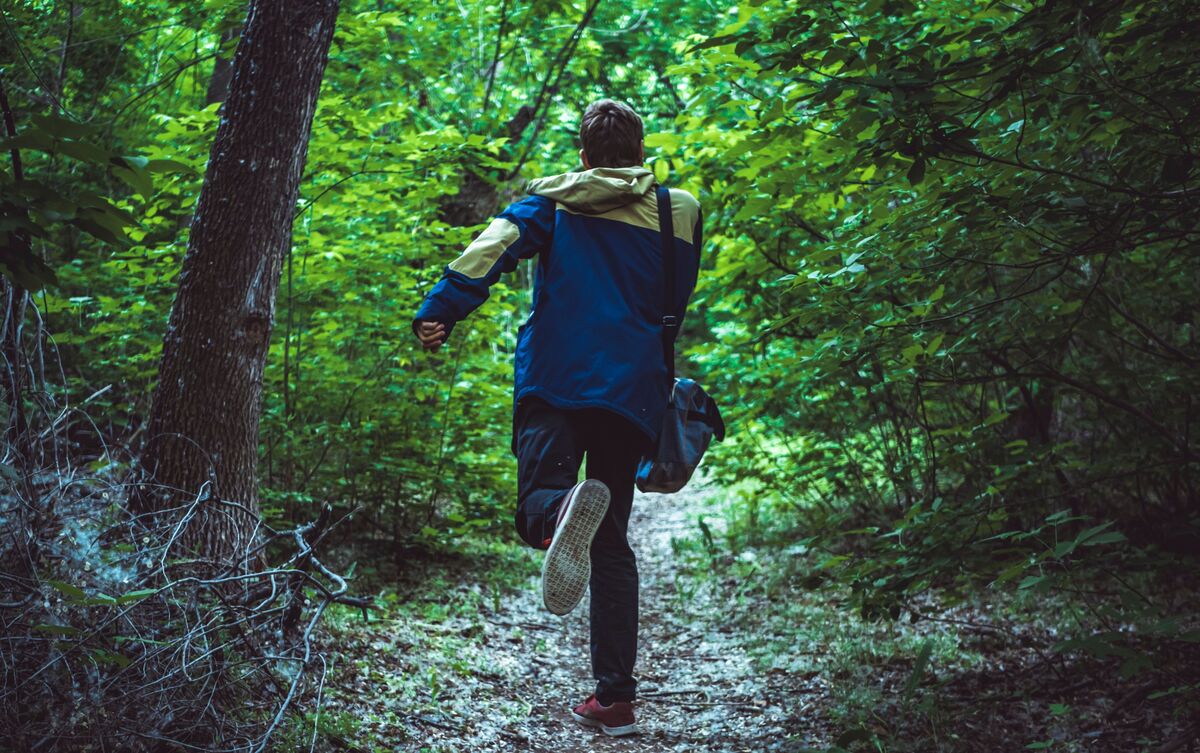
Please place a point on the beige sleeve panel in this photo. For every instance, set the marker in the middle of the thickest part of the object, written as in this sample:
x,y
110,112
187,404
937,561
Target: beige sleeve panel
x,y
479,257
685,210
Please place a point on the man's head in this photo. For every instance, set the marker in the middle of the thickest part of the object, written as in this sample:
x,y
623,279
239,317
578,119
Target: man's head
x,y
611,136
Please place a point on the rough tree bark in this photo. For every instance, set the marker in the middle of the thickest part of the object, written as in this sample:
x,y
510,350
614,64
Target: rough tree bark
x,y
202,438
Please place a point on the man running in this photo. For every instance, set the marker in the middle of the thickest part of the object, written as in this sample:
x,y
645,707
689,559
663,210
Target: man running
x,y
590,378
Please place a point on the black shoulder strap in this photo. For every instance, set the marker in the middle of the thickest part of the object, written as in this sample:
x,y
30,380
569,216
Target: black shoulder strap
x,y
670,322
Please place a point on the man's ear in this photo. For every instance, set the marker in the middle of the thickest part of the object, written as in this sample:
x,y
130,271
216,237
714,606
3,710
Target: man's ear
x,y
584,160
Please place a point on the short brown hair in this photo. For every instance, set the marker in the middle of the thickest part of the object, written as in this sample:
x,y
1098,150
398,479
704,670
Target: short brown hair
x,y
611,134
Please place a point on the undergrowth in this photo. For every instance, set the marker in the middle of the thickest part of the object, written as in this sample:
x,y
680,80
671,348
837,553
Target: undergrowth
x,y
1039,666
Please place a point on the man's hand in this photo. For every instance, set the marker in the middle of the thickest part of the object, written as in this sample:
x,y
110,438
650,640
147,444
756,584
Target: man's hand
x,y
431,334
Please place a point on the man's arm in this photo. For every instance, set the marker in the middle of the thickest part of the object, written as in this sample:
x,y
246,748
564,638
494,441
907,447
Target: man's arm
x,y
519,232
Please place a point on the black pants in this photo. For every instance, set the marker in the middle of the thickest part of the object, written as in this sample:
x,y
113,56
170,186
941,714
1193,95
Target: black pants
x,y
550,444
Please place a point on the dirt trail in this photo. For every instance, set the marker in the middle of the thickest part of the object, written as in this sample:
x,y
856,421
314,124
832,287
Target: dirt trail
x,y
699,688
459,663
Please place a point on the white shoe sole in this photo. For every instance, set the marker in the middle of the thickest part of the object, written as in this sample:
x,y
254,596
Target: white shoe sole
x,y
628,729
568,564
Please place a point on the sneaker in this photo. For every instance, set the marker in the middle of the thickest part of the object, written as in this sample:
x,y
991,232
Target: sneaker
x,y
568,564
613,720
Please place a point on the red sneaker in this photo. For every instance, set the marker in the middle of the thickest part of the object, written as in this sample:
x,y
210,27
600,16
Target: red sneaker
x,y
615,720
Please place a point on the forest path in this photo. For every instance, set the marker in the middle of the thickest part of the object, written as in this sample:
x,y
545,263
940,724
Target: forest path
x,y
698,687
522,669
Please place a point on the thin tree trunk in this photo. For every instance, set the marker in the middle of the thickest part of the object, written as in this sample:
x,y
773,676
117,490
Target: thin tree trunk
x,y
222,75
13,299
64,51
202,439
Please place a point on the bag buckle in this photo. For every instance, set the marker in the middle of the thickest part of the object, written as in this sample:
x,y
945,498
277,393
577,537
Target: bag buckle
x,y
670,322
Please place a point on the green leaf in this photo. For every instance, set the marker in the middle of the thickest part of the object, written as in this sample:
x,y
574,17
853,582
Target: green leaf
x,y
1063,548
72,593
661,170
132,163
105,656
168,166
28,271
83,152
918,671
916,173
63,128
1029,581
716,41
138,595
1012,571
664,140
1110,537
138,179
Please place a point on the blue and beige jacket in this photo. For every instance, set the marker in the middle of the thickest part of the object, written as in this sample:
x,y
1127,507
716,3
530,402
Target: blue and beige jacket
x,y
594,336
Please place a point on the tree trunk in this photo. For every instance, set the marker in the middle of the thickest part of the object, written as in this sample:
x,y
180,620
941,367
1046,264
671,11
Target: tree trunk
x,y
202,439
14,253
477,198
222,75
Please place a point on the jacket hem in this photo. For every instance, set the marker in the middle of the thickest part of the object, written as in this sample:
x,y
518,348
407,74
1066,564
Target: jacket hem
x,y
557,401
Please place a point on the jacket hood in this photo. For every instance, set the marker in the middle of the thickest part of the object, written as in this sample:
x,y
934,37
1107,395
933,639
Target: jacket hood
x,y
597,190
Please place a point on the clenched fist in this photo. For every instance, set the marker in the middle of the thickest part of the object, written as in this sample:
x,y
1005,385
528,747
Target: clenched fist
x,y
431,334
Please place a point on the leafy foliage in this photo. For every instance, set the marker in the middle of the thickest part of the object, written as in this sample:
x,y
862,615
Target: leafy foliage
x,y
948,304
354,413
962,235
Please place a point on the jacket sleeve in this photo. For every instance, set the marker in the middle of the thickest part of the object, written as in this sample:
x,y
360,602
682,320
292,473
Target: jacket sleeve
x,y
697,247
519,232
688,268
